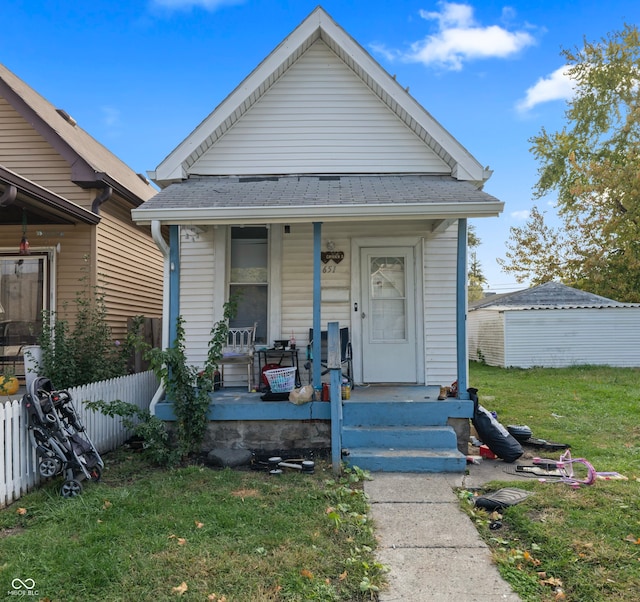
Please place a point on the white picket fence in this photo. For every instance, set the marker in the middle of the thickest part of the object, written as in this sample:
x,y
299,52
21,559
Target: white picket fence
x,y
18,469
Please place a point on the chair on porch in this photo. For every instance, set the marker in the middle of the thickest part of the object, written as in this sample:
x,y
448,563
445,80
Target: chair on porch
x,y
239,351
346,355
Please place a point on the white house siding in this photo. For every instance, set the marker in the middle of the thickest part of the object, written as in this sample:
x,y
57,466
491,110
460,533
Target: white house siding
x,y
485,333
319,118
565,337
197,275
199,271
440,253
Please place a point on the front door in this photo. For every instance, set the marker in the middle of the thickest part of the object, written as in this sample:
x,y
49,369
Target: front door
x,y
388,315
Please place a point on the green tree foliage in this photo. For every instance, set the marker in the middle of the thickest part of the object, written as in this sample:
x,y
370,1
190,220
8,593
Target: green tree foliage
x,y
593,166
476,279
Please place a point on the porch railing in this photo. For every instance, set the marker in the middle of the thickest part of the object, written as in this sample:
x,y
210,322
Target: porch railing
x,y
18,469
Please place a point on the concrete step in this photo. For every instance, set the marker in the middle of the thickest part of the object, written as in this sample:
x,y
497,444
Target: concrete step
x,y
399,437
406,460
404,413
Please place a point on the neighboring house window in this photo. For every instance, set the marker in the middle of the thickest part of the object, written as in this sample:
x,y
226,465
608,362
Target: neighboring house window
x,y
249,277
23,294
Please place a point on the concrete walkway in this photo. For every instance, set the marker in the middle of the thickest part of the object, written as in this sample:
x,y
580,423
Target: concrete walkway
x,y
431,546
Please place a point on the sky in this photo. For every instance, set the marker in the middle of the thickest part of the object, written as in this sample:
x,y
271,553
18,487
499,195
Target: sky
x,y
139,76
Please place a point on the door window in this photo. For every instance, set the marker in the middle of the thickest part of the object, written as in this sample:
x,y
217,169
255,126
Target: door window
x,y
388,298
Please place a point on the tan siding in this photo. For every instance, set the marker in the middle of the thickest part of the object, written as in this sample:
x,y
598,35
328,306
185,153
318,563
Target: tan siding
x,y
319,117
24,151
129,268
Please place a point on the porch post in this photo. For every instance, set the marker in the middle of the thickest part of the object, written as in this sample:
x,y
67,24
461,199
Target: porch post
x,y
335,371
317,300
461,311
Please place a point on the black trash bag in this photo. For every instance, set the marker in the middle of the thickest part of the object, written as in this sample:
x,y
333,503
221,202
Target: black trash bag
x,y
495,436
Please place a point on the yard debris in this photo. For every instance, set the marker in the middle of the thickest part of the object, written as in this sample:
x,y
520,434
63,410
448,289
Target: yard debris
x,y
508,496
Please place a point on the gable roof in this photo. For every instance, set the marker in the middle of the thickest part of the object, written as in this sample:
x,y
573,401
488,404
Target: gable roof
x,y
320,26
550,295
92,165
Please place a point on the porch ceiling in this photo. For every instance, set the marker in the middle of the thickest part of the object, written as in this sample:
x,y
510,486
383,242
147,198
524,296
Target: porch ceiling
x,y
297,199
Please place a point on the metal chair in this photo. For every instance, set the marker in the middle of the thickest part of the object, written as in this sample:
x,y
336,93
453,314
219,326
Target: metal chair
x,y
239,351
346,361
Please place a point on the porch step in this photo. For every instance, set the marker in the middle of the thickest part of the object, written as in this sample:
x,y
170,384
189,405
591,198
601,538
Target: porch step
x,y
399,437
405,413
403,435
407,460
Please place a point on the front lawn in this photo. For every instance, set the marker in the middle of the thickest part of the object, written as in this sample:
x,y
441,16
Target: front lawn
x,y
191,533
564,543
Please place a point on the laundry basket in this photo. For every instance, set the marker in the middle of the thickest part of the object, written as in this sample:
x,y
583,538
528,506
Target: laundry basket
x,y
281,380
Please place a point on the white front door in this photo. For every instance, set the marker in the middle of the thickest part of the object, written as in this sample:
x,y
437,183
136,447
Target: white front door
x,y
388,315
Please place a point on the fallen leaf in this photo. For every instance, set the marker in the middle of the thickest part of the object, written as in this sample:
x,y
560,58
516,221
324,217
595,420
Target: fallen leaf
x,y
553,581
107,504
342,576
21,511
181,541
633,539
306,573
560,595
199,525
180,589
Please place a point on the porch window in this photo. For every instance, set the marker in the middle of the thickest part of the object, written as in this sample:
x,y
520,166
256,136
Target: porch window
x,y
249,277
23,291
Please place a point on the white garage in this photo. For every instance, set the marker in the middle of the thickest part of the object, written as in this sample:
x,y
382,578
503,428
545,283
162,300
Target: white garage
x,y
553,325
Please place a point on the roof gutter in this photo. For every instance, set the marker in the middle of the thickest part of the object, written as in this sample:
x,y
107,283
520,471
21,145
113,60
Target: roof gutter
x,y
291,214
8,196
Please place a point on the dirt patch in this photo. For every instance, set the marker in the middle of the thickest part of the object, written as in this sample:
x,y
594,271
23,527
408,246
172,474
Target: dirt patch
x,y
11,531
243,493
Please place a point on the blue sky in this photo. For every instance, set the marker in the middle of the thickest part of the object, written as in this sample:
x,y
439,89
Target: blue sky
x,y
139,76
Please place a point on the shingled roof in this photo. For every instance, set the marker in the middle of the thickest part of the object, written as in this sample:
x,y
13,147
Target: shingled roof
x,y
330,198
550,295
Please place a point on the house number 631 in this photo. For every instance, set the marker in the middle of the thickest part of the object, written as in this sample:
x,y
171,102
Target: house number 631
x,y
329,269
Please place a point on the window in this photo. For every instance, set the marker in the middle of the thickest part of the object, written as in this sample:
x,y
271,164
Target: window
x,y
249,277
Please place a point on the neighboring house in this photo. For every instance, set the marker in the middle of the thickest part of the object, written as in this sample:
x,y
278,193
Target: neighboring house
x,y
322,191
553,325
70,199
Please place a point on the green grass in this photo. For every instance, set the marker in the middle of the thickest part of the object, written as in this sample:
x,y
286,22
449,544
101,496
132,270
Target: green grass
x,y
564,543
242,536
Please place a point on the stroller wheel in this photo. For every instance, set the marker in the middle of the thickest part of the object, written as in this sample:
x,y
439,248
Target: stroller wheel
x,y
71,488
49,467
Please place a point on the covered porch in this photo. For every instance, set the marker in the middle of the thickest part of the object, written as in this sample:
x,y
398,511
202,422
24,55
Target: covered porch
x,y
401,428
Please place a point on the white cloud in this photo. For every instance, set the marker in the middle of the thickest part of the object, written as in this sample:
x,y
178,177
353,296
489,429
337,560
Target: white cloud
x,y
557,86
210,5
520,215
460,39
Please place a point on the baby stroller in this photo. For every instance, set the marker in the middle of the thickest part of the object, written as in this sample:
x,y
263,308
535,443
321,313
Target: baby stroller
x,y
59,438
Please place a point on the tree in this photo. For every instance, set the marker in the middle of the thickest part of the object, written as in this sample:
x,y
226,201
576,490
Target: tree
x,y
475,278
593,165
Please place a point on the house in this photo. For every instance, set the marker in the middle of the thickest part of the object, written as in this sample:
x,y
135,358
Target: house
x,y
553,325
65,215
323,192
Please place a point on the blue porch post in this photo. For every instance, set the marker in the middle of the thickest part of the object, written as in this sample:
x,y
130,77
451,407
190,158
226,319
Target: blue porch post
x,y
317,300
335,371
461,311
174,282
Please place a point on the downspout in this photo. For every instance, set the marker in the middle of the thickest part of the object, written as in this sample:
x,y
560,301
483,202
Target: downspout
x,y
156,234
102,198
8,196
461,311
